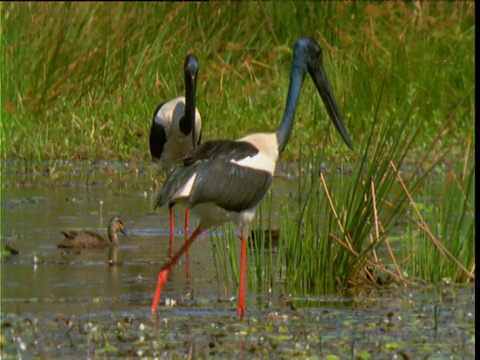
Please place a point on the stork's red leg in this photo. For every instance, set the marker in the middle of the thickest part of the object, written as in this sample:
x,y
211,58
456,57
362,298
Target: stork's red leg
x,y
187,253
187,220
172,230
163,274
241,290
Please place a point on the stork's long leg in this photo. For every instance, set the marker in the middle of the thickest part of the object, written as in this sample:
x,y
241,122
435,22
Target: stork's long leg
x,y
187,220
163,274
243,265
187,253
172,230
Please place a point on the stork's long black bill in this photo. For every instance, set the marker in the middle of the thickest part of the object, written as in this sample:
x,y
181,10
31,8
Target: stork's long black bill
x,y
191,71
323,86
191,85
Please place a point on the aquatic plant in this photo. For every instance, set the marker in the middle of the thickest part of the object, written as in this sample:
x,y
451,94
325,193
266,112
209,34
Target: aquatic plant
x,y
440,237
331,234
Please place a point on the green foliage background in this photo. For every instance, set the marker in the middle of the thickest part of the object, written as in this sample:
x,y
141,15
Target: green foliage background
x,y
81,80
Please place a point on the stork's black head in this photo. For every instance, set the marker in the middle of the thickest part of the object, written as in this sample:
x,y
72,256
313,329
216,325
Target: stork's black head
x,y
307,56
191,65
309,47
307,50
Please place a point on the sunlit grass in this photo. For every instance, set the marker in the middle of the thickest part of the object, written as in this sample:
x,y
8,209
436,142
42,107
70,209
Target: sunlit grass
x,y
332,231
80,81
440,238
344,225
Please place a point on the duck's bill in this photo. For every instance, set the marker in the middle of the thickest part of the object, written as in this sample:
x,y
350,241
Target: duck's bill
x,y
323,86
126,233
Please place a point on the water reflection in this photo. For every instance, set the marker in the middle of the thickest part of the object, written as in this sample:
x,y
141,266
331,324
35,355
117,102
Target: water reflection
x,y
44,278
115,286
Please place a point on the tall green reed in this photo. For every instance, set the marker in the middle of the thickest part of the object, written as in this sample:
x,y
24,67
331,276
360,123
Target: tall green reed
x,y
341,251
101,68
440,238
332,232
261,254
343,222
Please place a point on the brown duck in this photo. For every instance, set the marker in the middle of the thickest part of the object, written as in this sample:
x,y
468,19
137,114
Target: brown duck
x,y
89,240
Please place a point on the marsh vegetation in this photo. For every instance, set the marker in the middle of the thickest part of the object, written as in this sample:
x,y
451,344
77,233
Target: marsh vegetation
x,y
377,242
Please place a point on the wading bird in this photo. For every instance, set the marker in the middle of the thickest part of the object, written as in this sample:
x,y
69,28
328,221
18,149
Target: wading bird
x,y
225,180
176,129
85,239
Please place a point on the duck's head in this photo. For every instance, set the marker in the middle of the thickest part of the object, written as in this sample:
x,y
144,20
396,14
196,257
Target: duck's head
x,y
116,225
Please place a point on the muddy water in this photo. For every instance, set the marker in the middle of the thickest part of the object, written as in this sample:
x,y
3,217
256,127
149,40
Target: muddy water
x,y
60,304
43,277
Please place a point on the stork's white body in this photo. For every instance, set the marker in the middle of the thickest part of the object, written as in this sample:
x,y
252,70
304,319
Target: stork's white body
x,y
264,161
176,144
213,215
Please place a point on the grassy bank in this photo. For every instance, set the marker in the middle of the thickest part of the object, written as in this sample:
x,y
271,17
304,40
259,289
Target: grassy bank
x,y
81,81
385,223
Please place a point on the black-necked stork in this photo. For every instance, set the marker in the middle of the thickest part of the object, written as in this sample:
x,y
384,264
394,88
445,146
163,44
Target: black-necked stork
x,y
225,180
177,128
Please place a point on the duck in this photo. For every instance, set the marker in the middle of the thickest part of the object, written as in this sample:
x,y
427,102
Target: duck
x,y
86,239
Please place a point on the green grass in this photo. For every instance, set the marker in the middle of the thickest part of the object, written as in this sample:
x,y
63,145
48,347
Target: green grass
x,y
81,81
333,231
440,238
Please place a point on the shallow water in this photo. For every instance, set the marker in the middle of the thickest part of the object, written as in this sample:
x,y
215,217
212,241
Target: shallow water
x,y
60,304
